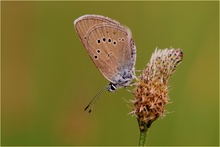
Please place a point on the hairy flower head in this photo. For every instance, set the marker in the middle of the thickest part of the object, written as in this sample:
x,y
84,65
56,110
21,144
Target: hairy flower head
x,y
151,92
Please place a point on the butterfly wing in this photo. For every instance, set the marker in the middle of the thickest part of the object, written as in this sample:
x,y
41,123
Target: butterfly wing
x,y
115,58
110,48
84,23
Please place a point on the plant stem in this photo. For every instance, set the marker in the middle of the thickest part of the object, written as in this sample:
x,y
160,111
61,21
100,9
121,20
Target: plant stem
x,y
143,138
143,126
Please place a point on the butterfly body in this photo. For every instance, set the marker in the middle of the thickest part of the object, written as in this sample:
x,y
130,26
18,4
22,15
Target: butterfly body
x,y
110,46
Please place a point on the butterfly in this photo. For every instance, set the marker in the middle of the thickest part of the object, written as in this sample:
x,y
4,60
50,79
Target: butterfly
x,y
111,48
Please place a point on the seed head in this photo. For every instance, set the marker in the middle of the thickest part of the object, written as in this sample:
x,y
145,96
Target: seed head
x,y
151,91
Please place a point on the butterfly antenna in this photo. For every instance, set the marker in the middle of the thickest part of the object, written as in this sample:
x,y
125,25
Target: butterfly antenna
x,y
94,100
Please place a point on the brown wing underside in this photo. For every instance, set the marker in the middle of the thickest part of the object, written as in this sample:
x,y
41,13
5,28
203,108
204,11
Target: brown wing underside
x,y
109,48
84,23
109,57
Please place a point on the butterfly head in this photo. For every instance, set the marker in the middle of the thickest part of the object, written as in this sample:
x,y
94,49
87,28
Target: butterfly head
x,y
112,87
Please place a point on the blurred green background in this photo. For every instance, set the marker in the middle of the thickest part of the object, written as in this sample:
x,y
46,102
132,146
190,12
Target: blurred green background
x,y
48,78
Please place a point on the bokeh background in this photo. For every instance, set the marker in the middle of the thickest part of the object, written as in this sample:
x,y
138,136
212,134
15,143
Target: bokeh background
x,y
48,78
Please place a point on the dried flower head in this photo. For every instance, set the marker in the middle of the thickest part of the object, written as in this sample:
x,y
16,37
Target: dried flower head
x,y
151,92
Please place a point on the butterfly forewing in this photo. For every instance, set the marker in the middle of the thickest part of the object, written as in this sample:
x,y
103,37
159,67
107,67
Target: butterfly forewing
x,y
84,23
109,48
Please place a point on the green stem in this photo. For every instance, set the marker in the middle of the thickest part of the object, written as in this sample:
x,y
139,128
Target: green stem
x,y
143,126
143,138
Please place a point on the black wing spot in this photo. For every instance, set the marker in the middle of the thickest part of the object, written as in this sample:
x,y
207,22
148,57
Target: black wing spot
x,y
103,39
98,41
98,51
96,57
109,40
85,37
122,39
114,42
